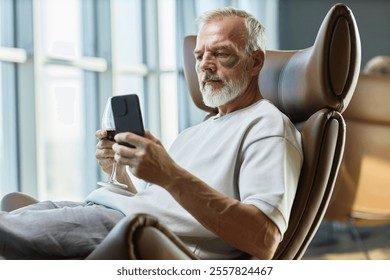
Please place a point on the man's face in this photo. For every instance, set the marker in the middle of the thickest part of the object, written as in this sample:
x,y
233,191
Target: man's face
x,y
221,65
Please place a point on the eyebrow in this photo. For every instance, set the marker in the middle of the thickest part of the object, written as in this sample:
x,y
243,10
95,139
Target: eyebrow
x,y
197,52
215,48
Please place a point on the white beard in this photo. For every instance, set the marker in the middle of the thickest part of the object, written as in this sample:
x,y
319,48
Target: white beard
x,y
215,98
230,91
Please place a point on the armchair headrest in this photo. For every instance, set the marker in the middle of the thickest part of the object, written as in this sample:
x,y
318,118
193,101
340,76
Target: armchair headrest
x,y
301,82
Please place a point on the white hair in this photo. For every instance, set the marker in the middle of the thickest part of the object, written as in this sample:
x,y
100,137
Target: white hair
x,y
256,31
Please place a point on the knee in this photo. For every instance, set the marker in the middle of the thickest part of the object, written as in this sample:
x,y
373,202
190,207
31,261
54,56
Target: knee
x,y
15,200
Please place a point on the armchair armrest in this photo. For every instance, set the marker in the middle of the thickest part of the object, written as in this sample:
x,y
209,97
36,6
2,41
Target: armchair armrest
x,y
141,237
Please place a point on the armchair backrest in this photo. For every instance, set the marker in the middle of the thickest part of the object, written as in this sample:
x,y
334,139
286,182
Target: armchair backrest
x,y
312,87
362,190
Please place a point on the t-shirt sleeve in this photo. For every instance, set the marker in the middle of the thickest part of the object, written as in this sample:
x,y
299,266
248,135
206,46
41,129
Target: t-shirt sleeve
x,y
269,176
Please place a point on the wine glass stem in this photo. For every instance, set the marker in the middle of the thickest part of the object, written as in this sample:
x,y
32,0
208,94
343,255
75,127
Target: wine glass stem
x,y
113,173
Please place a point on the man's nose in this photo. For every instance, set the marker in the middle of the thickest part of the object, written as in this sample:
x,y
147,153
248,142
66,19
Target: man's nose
x,y
207,64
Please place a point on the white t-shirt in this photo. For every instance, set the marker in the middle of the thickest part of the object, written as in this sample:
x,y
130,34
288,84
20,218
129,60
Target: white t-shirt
x,y
253,155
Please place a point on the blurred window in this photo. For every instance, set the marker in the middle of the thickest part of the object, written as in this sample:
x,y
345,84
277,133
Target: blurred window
x,y
59,62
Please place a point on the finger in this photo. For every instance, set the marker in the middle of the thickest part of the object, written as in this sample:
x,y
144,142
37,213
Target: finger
x,y
106,164
123,150
131,161
101,134
151,137
104,154
104,144
125,155
130,138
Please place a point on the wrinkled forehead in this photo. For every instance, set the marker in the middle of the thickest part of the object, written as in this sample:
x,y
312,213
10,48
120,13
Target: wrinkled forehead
x,y
223,31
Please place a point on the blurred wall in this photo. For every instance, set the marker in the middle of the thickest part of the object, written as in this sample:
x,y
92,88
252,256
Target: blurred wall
x,y
300,20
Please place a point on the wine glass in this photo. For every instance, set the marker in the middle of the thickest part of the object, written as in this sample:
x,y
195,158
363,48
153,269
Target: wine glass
x,y
108,124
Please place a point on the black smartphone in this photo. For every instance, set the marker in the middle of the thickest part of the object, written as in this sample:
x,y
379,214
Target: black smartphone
x,y
127,115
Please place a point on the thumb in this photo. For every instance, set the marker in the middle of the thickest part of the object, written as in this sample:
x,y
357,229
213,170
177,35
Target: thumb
x,y
150,136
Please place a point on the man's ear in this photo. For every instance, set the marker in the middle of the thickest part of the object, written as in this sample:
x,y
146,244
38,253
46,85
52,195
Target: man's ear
x,y
258,61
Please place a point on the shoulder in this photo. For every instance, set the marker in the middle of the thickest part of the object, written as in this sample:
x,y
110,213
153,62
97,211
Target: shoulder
x,y
268,118
267,121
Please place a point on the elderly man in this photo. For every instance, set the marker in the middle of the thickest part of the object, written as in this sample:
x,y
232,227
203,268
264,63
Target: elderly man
x,y
225,187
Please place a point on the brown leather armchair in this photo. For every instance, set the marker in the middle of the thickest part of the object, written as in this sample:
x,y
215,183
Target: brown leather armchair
x,y
311,86
362,190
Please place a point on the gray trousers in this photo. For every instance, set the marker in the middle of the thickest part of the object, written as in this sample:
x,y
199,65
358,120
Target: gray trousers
x,y
55,230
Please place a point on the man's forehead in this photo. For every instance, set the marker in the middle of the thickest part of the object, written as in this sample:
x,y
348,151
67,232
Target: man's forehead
x,y
226,32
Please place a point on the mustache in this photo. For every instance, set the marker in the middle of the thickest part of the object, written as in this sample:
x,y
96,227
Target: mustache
x,y
211,77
